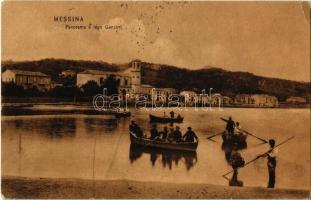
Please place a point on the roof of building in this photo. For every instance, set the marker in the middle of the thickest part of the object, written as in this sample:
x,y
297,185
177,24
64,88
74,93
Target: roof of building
x,y
188,92
296,98
164,89
27,73
68,70
146,86
252,95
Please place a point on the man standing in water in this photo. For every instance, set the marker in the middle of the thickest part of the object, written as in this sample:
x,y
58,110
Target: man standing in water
x,y
271,164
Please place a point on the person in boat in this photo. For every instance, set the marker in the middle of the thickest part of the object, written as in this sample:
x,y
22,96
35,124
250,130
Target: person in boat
x,y
271,162
171,134
134,128
172,114
237,128
154,132
230,126
190,136
236,161
238,133
164,134
177,136
164,114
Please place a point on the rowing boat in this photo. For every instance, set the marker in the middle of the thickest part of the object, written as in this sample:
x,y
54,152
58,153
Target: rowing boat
x,y
182,146
239,139
122,114
157,119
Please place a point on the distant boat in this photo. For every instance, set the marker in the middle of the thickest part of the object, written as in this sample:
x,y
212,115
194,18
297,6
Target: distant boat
x,y
156,119
181,146
122,114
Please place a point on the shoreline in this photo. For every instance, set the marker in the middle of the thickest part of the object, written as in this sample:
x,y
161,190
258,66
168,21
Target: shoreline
x,y
22,187
132,105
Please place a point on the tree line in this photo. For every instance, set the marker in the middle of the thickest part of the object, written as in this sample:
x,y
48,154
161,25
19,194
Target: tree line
x,y
89,89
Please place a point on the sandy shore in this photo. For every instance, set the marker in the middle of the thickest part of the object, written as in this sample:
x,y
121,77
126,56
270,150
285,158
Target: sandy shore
x,y
17,187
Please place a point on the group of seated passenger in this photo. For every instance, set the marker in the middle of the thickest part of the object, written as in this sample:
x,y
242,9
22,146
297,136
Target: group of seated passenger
x,y
172,135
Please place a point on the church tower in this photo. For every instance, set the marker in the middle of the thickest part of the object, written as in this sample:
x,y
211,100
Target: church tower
x,y
136,72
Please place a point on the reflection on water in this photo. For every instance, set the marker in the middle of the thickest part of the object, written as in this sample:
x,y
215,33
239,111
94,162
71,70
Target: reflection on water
x,y
228,147
167,157
237,182
50,127
94,124
71,146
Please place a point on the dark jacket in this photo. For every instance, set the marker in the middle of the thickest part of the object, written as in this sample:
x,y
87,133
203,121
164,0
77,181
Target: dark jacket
x,y
164,134
230,126
153,133
177,136
189,136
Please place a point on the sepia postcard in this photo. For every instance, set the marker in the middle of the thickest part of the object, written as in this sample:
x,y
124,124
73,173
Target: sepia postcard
x,y
155,100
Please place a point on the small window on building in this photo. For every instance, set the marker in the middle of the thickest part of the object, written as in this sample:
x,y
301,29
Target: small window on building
x,y
125,82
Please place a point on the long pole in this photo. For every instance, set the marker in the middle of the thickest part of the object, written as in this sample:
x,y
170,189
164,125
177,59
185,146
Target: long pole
x,y
288,139
248,133
214,135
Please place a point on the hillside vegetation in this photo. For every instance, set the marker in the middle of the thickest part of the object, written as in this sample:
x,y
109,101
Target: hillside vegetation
x,y
226,82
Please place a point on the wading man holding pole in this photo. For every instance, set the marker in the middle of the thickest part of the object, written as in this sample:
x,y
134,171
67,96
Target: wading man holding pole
x,y
271,164
271,155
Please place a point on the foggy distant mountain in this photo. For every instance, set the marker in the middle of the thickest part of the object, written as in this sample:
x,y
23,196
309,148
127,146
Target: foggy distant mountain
x,y
225,82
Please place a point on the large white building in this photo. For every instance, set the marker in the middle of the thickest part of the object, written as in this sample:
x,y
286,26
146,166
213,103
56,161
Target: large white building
x,y
27,79
256,100
296,100
129,79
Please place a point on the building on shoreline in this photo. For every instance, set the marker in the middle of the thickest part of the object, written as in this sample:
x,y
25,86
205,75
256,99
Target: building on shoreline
x,y
27,79
256,100
189,97
296,100
129,82
100,76
162,94
227,100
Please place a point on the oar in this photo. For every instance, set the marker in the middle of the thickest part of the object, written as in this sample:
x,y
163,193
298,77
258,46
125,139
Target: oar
x,y
257,157
214,135
265,141
248,133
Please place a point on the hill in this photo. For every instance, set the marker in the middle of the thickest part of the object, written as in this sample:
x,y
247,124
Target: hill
x,y
225,82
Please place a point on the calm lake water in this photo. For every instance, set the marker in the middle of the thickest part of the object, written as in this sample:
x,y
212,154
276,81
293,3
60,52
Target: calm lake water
x,y
87,147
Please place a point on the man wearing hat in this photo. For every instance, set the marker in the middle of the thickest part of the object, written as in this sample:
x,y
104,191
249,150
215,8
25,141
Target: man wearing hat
x,y
190,136
177,134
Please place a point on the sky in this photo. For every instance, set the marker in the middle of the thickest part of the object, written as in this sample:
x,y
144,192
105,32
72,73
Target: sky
x,y
265,38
